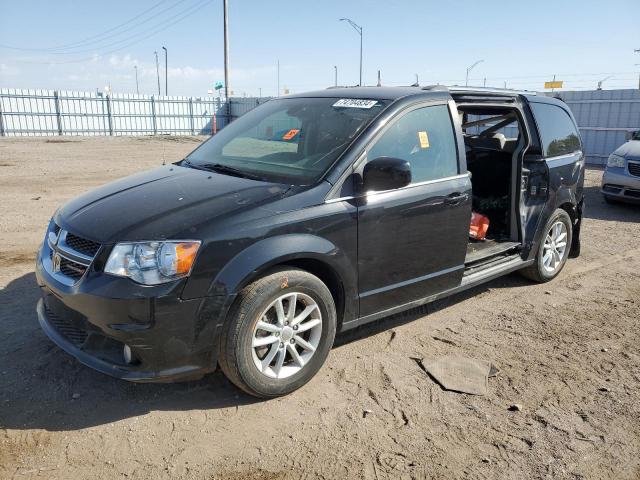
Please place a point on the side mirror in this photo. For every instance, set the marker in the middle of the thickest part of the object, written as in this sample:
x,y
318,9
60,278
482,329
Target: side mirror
x,y
386,173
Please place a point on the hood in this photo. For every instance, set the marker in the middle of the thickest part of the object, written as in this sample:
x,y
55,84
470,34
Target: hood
x,y
631,149
168,202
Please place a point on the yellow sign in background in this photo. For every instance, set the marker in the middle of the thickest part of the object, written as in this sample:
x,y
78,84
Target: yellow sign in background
x,y
554,84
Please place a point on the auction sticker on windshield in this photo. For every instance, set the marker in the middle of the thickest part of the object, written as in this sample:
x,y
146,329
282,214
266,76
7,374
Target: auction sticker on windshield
x,y
355,103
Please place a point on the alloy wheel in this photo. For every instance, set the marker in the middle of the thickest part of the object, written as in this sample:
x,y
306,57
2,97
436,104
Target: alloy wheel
x,y
286,335
555,245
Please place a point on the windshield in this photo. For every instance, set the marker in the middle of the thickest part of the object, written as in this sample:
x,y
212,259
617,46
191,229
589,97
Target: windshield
x,y
294,140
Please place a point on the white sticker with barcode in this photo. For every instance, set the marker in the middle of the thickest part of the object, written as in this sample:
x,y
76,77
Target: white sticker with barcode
x,y
355,103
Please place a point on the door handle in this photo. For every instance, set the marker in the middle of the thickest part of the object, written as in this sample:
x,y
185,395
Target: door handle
x,y
456,198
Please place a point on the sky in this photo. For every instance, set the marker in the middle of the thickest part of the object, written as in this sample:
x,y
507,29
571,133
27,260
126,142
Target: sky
x,y
88,45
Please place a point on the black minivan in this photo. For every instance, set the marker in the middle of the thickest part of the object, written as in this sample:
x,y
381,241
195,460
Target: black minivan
x,y
310,215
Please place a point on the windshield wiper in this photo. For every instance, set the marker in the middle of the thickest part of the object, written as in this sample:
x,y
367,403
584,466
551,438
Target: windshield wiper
x,y
226,169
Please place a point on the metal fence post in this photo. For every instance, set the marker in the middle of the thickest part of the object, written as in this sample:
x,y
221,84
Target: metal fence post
x,y
193,132
56,102
153,115
2,134
109,117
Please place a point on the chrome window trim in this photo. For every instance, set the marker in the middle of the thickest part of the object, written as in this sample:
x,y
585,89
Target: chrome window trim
x,y
411,185
564,159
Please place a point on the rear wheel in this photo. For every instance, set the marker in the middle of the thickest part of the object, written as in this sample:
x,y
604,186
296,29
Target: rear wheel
x,y
553,250
279,333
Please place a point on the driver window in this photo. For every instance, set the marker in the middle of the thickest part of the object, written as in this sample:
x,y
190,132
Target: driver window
x,y
425,138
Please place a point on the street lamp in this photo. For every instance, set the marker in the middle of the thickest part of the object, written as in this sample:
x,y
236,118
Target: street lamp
x,y
358,29
602,81
335,82
157,71
469,68
166,81
137,89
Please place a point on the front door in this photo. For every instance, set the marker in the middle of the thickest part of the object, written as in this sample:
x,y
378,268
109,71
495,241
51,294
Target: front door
x,y
412,241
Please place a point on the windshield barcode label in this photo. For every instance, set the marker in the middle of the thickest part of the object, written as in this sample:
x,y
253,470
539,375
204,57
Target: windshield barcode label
x,y
354,103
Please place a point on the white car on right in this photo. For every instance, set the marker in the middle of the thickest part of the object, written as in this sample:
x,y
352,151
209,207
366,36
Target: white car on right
x,y
621,179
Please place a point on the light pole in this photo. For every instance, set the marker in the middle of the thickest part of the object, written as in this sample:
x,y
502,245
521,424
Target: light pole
x,y
335,80
157,72
358,29
469,68
166,72
137,89
602,81
225,11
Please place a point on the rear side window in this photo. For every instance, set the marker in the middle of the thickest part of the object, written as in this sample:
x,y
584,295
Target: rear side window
x,y
558,132
424,137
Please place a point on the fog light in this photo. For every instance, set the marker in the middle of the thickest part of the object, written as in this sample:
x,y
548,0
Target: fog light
x,y
128,357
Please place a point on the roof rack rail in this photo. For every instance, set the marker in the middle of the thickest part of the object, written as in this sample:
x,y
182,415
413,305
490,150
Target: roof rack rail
x,y
489,90
436,88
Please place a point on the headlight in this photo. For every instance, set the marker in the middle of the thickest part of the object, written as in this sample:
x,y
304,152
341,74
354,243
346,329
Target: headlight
x,y
615,161
151,263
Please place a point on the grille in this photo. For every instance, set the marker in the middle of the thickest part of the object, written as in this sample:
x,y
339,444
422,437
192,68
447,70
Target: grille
x,y
82,245
56,228
632,193
634,169
72,269
67,328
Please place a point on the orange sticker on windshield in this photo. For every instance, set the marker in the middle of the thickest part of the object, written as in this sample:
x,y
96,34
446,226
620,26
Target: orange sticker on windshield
x,y
290,134
424,139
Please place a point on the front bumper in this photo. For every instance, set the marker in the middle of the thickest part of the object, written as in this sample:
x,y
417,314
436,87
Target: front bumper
x,y
171,339
619,184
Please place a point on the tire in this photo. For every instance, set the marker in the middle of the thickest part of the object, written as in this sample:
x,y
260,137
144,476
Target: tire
x,y
255,318
541,271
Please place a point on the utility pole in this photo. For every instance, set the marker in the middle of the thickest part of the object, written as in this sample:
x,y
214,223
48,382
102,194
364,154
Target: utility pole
x,y
225,7
469,68
278,68
137,89
166,72
637,50
379,79
358,29
157,72
335,79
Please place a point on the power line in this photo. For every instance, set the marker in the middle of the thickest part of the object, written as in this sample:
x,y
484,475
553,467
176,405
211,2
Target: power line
x,y
153,28
190,11
79,42
100,40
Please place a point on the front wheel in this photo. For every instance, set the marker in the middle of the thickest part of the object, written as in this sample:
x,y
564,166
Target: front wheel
x,y
279,333
553,250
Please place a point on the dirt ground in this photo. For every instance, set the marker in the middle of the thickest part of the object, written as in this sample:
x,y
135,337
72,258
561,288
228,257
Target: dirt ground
x,y
568,352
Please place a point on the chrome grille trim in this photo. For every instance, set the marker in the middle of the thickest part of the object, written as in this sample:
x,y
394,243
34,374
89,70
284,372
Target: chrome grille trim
x,y
65,263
